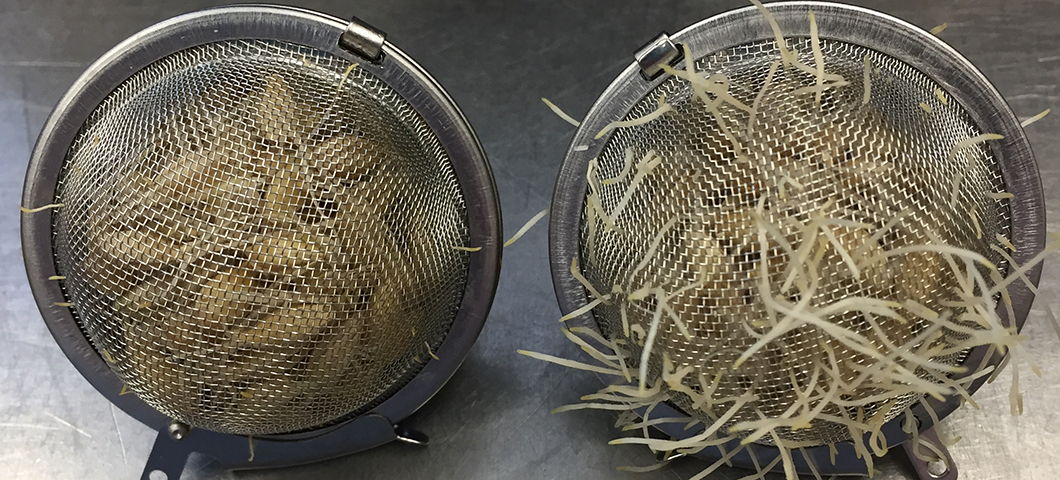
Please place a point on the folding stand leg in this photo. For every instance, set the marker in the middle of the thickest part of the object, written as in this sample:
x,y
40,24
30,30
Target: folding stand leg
x,y
168,456
941,469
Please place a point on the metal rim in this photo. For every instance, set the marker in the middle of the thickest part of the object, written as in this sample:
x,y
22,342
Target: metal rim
x,y
298,26
855,25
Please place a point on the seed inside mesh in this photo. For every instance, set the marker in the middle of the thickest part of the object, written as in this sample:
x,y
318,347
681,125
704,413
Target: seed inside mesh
x,y
258,238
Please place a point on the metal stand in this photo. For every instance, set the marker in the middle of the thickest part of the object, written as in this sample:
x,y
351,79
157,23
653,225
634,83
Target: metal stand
x,y
235,452
941,469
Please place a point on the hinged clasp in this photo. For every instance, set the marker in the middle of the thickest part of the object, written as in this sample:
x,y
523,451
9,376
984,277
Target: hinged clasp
x,y
656,53
363,40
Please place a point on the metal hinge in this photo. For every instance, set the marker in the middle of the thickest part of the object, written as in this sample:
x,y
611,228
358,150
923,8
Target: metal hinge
x,y
363,40
656,53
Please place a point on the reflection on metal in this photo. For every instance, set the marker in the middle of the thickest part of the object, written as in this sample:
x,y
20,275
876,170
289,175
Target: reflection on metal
x,y
411,436
178,430
364,40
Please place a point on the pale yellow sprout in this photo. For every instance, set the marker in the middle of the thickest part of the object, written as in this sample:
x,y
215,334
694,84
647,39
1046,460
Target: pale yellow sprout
x,y
560,113
942,96
644,168
526,227
785,456
346,74
939,28
607,360
716,85
40,209
649,341
654,245
1035,118
957,148
577,274
1014,394
920,310
1004,242
626,166
782,45
614,345
569,363
596,206
867,81
663,108
761,93
946,440
818,58
1052,247
584,309
810,463
1008,258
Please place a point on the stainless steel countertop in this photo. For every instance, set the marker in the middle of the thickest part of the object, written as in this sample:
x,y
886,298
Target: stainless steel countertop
x,y
497,59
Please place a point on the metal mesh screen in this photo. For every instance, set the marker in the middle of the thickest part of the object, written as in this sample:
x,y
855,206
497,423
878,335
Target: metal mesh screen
x,y
258,237
865,163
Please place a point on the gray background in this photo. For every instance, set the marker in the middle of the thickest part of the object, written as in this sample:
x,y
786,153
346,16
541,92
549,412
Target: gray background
x,y
497,59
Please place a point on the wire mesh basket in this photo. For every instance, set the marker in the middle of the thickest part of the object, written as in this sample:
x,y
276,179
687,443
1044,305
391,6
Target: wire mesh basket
x,y
261,226
685,197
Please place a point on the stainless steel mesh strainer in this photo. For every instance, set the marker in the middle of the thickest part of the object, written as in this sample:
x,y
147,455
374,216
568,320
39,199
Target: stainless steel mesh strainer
x,y
864,160
259,212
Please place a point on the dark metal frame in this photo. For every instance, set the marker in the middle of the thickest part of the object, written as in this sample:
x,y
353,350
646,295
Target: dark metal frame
x,y
317,31
877,31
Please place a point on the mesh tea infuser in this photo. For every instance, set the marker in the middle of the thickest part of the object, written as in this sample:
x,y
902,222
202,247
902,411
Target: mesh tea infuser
x,y
797,230
265,223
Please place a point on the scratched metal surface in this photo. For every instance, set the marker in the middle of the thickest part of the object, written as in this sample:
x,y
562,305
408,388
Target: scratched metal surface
x,y
496,59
